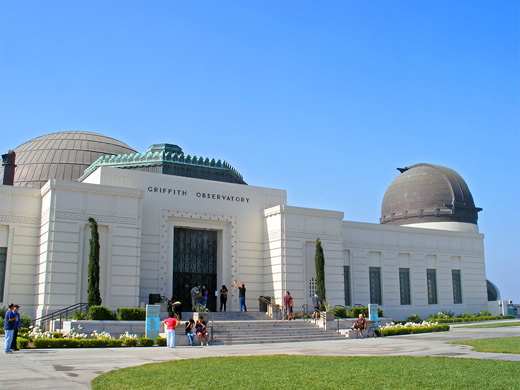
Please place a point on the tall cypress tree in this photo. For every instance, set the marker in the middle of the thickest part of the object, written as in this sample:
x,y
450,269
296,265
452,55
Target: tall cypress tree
x,y
319,260
94,296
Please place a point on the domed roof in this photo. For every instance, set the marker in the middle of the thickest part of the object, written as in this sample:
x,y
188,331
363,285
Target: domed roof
x,y
428,193
62,156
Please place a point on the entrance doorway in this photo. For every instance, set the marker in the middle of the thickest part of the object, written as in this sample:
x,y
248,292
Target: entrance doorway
x,y
194,263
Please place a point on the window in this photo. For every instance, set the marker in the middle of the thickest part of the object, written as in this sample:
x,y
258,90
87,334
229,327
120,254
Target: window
x,y
313,286
375,285
3,260
431,277
404,284
346,281
457,286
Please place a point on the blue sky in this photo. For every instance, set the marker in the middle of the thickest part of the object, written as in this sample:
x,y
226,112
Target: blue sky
x,y
324,99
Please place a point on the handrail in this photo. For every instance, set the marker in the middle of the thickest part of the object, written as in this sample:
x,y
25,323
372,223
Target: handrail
x,y
59,313
271,305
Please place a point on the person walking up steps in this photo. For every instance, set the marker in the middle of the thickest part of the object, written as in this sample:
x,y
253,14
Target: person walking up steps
x,y
241,295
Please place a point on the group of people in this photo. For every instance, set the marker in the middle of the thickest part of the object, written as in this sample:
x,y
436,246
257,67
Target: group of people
x,y
199,296
192,329
12,322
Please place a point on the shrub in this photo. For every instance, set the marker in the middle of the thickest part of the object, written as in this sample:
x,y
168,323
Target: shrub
x,y
354,312
467,315
2,331
56,335
146,342
484,313
160,341
80,315
474,318
414,318
25,320
413,330
114,343
130,342
57,343
100,313
340,312
131,314
23,330
21,343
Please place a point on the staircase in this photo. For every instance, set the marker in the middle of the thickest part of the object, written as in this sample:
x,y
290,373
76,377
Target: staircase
x,y
256,328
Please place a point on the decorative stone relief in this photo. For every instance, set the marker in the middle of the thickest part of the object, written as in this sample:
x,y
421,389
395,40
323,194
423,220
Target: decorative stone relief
x,y
98,218
17,219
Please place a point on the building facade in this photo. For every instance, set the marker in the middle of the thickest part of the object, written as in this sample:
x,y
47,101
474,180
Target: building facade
x,y
168,221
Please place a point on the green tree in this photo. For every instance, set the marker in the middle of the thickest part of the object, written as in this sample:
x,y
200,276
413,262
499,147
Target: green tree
x,y
319,259
94,296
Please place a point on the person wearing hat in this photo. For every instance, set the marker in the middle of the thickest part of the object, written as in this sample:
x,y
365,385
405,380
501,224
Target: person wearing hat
x,y
16,327
9,325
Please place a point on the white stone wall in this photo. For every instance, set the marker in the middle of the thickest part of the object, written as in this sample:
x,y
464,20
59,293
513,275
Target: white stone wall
x,y
233,210
64,244
20,210
392,247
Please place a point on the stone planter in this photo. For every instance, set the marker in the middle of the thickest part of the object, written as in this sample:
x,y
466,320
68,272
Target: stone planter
x,y
327,315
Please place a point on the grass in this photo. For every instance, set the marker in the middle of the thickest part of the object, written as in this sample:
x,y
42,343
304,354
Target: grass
x,y
496,325
316,372
497,345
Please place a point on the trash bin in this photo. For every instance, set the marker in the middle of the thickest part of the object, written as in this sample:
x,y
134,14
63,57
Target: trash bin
x,y
154,298
262,304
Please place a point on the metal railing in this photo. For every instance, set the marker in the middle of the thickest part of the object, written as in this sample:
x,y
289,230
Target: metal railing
x,y
59,314
272,309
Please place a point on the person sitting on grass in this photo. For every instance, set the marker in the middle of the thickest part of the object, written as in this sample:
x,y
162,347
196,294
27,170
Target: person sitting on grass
x,y
200,326
360,325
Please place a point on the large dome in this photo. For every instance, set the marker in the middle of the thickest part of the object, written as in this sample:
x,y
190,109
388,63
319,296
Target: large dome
x,y
428,193
63,156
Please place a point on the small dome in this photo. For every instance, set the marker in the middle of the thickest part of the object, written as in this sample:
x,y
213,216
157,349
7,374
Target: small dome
x,y
63,156
428,193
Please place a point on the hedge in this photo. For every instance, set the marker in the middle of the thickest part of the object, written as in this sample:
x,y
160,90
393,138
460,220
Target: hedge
x,y
100,313
131,314
354,312
470,319
21,343
340,312
77,343
413,330
146,342
160,341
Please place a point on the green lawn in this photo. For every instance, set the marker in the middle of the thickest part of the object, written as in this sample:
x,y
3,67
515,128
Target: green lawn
x,y
316,372
498,345
495,325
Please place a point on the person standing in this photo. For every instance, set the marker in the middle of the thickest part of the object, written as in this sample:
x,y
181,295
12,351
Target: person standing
x,y
194,294
286,306
223,297
317,305
170,323
16,327
241,295
9,325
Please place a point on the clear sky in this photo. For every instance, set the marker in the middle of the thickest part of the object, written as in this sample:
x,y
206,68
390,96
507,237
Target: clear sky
x,y
324,99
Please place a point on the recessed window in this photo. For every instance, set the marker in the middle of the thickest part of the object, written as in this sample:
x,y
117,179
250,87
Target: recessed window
x,y
431,277
457,286
404,284
375,285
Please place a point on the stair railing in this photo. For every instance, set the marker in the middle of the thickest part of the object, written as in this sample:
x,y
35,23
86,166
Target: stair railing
x,y
272,309
59,314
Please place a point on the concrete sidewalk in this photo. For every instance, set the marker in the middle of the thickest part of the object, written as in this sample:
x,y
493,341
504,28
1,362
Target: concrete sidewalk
x,y
75,368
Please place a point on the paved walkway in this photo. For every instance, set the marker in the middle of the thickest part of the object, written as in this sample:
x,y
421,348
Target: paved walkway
x,y
75,368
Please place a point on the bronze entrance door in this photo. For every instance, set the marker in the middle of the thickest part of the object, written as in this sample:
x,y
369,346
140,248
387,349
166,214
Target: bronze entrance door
x,y
194,263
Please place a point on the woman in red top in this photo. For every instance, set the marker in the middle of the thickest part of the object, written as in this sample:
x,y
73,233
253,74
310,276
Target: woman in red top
x,y
170,323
